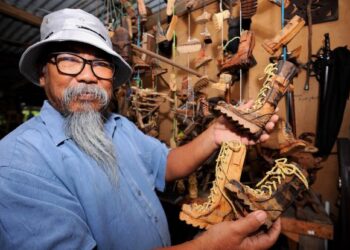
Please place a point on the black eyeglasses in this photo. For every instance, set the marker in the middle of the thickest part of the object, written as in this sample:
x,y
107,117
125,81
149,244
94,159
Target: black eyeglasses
x,y
73,64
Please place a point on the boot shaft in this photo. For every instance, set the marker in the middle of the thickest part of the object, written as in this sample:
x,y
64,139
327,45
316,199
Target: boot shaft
x,y
229,165
278,80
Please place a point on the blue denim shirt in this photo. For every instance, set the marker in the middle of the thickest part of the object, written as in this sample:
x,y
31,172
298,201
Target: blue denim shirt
x,y
54,196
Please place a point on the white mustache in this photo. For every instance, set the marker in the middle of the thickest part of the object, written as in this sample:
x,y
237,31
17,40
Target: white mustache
x,y
75,91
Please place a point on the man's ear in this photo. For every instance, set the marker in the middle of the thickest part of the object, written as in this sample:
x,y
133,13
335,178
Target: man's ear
x,y
42,74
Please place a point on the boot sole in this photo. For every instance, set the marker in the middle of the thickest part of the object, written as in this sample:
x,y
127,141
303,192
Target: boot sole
x,y
242,202
246,127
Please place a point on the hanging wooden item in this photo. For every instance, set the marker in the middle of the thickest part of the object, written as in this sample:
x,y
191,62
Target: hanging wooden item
x,y
218,19
170,32
121,43
142,10
170,7
285,35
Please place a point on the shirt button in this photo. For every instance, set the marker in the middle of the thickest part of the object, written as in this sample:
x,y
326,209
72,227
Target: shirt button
x,y
156,219
139,192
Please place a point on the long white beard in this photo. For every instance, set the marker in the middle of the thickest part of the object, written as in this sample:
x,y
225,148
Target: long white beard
x,y
86,128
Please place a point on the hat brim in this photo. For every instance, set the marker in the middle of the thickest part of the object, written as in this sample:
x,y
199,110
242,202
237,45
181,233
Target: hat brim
x,y
28,63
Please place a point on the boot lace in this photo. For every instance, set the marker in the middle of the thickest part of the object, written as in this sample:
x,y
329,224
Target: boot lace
x,y
275,176
269,71
220,175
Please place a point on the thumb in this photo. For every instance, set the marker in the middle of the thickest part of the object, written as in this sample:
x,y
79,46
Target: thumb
x,y
251,223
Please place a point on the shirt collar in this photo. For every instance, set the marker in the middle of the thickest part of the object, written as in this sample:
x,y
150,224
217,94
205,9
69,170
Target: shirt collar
x,y
55,123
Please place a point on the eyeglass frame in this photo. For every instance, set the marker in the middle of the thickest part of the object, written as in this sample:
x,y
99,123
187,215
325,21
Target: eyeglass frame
x,y
85,61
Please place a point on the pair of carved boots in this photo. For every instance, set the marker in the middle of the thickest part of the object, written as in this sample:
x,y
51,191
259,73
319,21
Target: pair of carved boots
x,y
229,199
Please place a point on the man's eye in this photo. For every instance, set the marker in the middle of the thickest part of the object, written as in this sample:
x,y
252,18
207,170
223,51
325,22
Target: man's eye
x,y
102,64
68,59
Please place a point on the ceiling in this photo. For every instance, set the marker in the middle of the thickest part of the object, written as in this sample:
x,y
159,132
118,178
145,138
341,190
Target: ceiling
x,y
19,28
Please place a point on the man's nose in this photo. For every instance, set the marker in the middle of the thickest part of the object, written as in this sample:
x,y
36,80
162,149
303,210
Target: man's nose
x,y
87,75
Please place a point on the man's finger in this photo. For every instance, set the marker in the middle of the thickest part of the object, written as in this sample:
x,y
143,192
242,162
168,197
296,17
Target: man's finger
x,y
264,137
250,223
269,126
266,240
245,105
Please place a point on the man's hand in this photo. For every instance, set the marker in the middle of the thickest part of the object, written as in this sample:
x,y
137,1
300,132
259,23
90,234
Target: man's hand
x,y
224,131
241,234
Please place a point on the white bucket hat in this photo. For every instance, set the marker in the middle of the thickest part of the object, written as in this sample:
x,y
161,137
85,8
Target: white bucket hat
x,y
77,26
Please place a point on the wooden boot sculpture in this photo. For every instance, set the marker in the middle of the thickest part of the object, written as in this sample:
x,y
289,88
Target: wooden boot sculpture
x,y
252,121
249,8
285,35
217,208
244,58
273,194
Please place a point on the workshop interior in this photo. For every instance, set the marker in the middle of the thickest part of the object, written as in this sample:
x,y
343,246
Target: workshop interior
x,y
197,61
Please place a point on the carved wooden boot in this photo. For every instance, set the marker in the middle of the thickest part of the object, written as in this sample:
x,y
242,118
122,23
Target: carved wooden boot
x,y
244,58
217,208
252,121
273,194
285,35
200,84
282,139
203,18
248,8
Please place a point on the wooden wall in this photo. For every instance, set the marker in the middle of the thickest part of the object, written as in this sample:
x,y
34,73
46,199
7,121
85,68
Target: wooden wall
x,y
265,24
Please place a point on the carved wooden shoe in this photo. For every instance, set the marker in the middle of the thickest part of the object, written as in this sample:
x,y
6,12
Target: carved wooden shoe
x,y
282,139
252,121
217,208
203,18
273,194
244,58
218,19
200,84
285,35
248,8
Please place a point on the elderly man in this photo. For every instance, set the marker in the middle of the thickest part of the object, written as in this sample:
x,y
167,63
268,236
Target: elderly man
x,y
80,177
